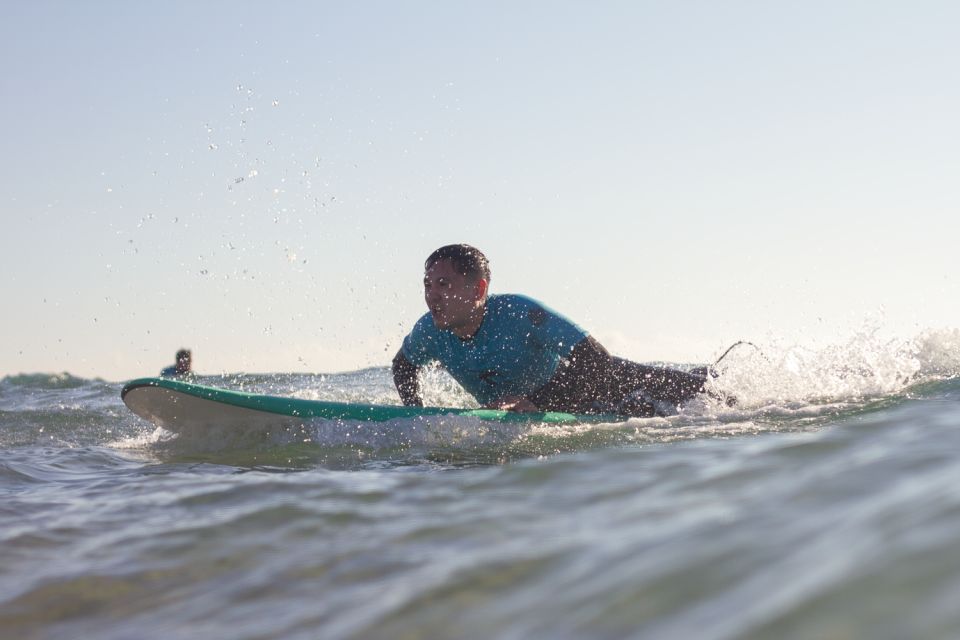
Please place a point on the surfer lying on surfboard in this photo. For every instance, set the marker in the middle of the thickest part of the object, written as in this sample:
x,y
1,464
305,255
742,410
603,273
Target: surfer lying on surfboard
x,y
511,352
181,367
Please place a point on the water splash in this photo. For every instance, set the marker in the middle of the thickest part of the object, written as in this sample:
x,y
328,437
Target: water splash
x,y
938,352
867,365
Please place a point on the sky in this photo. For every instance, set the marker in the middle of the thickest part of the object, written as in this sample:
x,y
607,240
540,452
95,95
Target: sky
x,y
261,182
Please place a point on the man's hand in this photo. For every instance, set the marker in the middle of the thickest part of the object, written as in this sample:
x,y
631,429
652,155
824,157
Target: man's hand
x,y
514,403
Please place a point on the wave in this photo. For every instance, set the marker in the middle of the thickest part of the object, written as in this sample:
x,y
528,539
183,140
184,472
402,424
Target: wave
x,y
63,380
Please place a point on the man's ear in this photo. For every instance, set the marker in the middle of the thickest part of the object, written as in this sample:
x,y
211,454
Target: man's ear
x,y
481,290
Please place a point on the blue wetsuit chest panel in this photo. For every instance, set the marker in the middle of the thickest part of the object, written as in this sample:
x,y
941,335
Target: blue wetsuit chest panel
x,y
516,350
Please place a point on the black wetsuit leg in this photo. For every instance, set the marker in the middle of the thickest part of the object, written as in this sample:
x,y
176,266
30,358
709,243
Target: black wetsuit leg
x,y
593,381
645,390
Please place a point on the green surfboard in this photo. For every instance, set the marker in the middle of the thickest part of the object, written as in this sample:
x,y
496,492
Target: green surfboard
x,y
180,406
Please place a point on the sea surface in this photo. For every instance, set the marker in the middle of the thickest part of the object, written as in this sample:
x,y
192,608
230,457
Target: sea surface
x,y
825,504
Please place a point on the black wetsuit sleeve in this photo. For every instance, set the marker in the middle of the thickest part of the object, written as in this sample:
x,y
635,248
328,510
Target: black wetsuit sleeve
x,y
405,378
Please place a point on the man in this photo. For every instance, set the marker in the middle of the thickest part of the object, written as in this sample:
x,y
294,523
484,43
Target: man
x,y
182,366
511,352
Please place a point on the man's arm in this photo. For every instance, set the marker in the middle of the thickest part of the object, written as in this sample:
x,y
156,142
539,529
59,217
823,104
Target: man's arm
x,y
406,381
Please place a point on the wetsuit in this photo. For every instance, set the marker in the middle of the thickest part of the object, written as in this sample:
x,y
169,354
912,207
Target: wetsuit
x,y
523,348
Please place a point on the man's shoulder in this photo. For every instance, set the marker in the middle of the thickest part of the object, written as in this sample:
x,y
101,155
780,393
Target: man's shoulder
x,y
511,301
516,308
515,304
424,325
423,331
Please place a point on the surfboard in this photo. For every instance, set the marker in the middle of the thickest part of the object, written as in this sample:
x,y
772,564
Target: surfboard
x,y
180,406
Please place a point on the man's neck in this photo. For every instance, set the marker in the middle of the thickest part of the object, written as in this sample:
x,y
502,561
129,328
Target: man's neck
x,y
467,332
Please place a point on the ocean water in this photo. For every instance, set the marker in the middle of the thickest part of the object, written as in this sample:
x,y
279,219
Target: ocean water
x,y
826,504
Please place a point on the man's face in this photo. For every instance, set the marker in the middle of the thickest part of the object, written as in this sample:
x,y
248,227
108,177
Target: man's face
x,y
454,300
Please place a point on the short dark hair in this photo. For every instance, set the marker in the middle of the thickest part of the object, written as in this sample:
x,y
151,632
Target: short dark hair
x,y
467,260
183,353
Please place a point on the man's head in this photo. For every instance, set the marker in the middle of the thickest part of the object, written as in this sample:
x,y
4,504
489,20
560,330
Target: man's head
x,y
183,361
455,283
466,260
